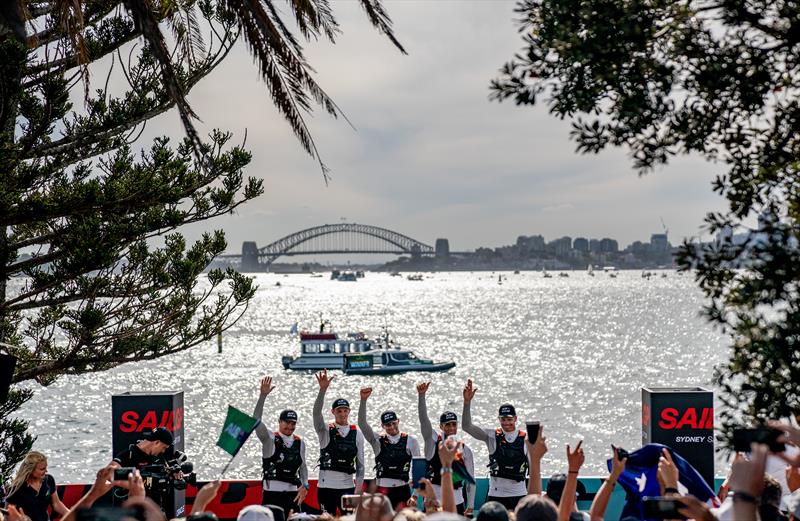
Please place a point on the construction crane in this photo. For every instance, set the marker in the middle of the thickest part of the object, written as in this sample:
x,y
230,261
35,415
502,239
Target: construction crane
x,y
664,226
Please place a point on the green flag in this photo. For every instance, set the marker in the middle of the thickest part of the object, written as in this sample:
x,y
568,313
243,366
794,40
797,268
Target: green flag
x,y
238,427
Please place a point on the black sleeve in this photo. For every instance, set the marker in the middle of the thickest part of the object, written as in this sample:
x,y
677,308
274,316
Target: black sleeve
x,y
51,485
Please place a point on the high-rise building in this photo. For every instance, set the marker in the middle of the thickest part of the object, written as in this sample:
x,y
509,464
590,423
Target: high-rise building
x,y
659,243
442,248
580,244
594,245
608,245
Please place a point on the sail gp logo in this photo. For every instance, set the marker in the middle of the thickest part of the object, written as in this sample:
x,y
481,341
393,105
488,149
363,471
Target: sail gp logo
x,y
690,418
236,432
133,421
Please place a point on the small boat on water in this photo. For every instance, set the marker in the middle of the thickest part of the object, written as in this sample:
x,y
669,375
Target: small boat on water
x,y
354,353
416,278
563,274
347,276
545,274
590,270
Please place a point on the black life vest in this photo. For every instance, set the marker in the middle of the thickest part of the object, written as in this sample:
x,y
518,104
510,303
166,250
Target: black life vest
x,y
341,452
284,464
434,468
393,461
508,459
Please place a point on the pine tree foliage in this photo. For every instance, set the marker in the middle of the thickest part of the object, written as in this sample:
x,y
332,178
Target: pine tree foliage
x,y
720,79
94,271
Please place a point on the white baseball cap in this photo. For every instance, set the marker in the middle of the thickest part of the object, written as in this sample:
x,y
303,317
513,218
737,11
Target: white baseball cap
x,y
255,513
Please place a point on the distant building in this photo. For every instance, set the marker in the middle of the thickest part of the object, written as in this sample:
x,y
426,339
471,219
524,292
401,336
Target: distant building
x,y
560,247
608,245
530,244
659,243
594,245
250,257
580,244
442,248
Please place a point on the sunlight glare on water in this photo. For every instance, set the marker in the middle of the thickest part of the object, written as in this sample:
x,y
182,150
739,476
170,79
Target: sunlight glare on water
x,y
571,352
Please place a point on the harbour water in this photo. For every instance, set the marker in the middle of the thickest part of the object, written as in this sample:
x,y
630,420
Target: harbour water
x,y
572,352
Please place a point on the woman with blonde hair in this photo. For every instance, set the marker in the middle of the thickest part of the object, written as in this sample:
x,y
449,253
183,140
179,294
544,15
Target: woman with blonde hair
x,y
33,490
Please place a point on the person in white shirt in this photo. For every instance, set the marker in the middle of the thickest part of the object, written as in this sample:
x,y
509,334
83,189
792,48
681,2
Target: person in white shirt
x,y
508,452
448,426
341,450
283,457
393,453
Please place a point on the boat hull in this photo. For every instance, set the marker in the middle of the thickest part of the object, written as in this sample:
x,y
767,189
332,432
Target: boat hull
x,y
395,369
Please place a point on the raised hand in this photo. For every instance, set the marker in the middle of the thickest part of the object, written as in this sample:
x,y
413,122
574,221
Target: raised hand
x,y
668,473
469,391
266,386
324,380
205,495
104,479
422,388
366,392
748,475
135,484
538,447
695,509
575,458
617,463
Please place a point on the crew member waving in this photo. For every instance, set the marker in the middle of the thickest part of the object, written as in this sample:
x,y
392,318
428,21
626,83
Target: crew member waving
x,y
393,452
341,450
283,457
448,426
508,452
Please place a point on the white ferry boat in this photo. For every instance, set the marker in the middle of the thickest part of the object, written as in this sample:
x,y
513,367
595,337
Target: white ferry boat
x,y
354,353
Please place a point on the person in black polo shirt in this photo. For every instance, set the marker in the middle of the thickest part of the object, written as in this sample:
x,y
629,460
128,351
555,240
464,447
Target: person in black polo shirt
x,y
34,490
283,458
393,453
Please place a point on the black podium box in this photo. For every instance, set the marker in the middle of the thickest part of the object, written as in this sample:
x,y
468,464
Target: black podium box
x,y
135,414
681,418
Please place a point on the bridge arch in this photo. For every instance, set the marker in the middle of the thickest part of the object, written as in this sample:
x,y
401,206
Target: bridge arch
x,y
302,242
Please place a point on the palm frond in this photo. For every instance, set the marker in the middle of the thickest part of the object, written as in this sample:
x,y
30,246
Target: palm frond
x,y
146,22
314,17
380,19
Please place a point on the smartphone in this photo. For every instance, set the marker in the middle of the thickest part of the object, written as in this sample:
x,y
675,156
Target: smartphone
x,y
621,453
121,474
418,468
532,428
350,502
742,438
661,507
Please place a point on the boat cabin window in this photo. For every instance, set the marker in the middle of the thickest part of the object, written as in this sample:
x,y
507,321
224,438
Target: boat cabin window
x,y
341,347
404,356
310,348
324,348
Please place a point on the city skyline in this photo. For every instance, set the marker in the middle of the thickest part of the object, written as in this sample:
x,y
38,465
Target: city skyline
x,y
431,153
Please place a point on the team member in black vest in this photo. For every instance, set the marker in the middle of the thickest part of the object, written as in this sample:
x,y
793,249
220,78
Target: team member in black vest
x,y
508,452
393,453
283,458
448,426
341,450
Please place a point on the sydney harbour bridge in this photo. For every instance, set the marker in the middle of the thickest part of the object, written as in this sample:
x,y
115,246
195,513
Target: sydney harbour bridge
x,y
341,238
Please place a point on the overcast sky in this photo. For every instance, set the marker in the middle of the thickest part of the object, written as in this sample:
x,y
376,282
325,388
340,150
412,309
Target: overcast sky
x,y
431,156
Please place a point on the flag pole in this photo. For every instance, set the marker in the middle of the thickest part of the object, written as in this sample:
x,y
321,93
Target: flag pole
x,y
225,469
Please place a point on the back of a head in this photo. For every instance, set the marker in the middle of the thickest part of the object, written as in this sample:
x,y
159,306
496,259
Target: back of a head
x,y
769,509
202,516
255,513
536,508
492,511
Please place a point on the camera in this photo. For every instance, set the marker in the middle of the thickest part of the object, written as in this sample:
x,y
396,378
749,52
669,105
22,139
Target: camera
x,y
161,477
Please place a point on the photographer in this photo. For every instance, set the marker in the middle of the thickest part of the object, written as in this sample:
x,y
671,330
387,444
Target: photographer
x,y
149,451
149,456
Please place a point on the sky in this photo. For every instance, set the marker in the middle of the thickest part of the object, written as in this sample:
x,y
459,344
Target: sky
x,y
430,155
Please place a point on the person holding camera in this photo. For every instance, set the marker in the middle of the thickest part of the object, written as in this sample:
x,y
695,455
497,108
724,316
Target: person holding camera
x,y
283,457
341,450
151,451
508,452
448,427
393,452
